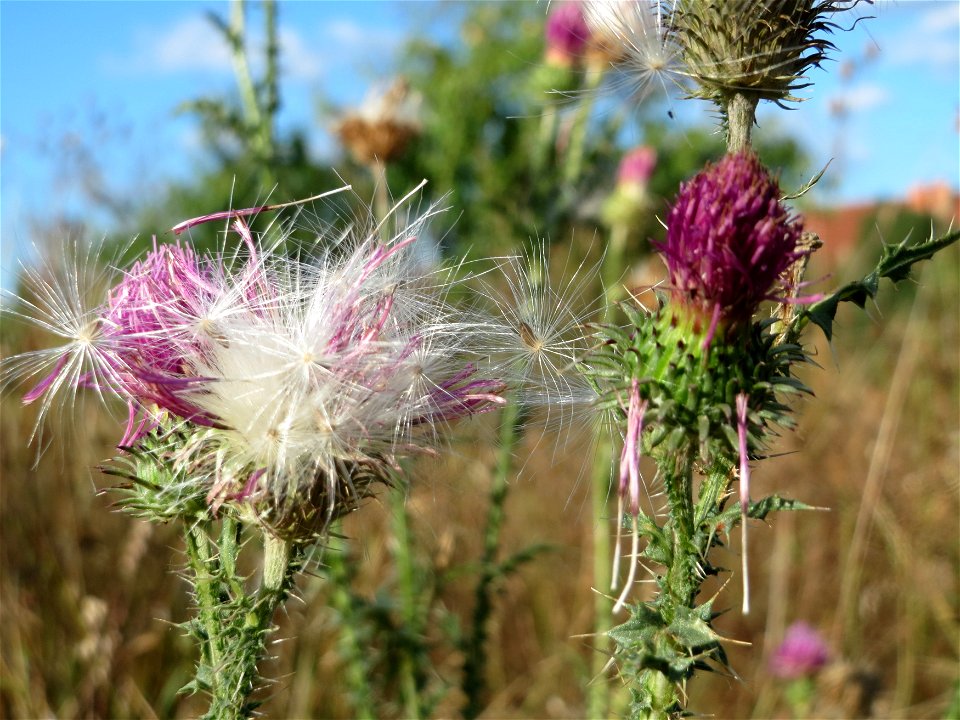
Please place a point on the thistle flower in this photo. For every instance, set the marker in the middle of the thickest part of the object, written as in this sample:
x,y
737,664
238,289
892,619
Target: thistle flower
x,y
729,241
311,375
566,33
801,654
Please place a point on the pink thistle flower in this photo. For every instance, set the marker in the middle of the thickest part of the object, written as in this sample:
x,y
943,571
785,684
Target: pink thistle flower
x,y
158,295
802,653
729,241
566,32
637,166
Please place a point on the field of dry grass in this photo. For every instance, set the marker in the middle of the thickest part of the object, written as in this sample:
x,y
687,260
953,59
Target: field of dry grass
x,y
89,596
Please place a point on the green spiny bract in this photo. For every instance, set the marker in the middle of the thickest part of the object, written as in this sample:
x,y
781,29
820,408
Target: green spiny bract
x,y
759,49
161,486
690,389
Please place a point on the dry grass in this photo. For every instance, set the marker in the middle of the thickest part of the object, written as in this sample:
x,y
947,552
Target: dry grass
x,y
88,595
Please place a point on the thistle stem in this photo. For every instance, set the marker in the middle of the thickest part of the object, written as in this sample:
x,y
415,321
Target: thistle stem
x,y
232,624
204,585
598,692
407,595
741,114
474,669
573,165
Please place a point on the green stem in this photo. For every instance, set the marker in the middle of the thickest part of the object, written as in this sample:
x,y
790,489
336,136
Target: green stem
x,y
598,692
683,580
350,642
276,559
741,114
233,624
407,590
474,668
662,696
573,166
205,592
259,120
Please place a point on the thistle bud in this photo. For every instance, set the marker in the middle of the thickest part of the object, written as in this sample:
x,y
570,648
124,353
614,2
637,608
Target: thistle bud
x,y
630,200
566,34
729,241
759,49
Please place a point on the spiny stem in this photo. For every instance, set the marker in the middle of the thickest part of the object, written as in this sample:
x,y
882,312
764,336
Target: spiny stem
x,y
474,669
407,591
204,584
349,640
233,624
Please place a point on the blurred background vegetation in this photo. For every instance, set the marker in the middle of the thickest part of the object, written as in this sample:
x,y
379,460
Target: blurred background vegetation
x,y
90,597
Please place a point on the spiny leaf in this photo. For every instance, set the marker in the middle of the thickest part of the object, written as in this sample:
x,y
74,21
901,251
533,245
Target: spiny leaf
x,y
806,188
690,629
895,264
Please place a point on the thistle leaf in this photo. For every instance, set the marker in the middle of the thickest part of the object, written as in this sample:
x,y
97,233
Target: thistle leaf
x,y
895,264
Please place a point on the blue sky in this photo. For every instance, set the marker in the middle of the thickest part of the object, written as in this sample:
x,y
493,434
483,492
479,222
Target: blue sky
x,y
111,73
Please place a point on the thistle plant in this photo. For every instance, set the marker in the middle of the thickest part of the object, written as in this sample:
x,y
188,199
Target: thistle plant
x,y
701,384
268,394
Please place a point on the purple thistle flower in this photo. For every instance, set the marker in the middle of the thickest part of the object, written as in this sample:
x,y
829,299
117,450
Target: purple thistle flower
x,y
148,309
802,653
566,32
729,241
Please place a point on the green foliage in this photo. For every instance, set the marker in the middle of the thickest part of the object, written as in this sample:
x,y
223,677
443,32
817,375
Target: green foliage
x,y
895,264
158,489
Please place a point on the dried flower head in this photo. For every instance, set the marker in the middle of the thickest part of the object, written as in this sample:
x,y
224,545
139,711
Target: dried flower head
x,y
290,384
760,49
729,241
384,124
635,37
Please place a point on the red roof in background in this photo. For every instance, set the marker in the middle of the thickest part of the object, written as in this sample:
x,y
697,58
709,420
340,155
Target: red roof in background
x,y
841,229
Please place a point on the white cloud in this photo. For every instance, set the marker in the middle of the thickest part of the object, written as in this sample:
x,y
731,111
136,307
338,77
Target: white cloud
x,y
297,60
931,40
193,45
190,45
863,97
352,35
942,17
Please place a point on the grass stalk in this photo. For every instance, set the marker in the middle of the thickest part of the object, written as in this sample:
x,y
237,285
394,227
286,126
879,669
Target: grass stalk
x,y
350,641
474,668
410,680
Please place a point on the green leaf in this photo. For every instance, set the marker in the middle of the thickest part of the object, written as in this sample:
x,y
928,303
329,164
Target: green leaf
x,y
895,264
806,188
690,630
